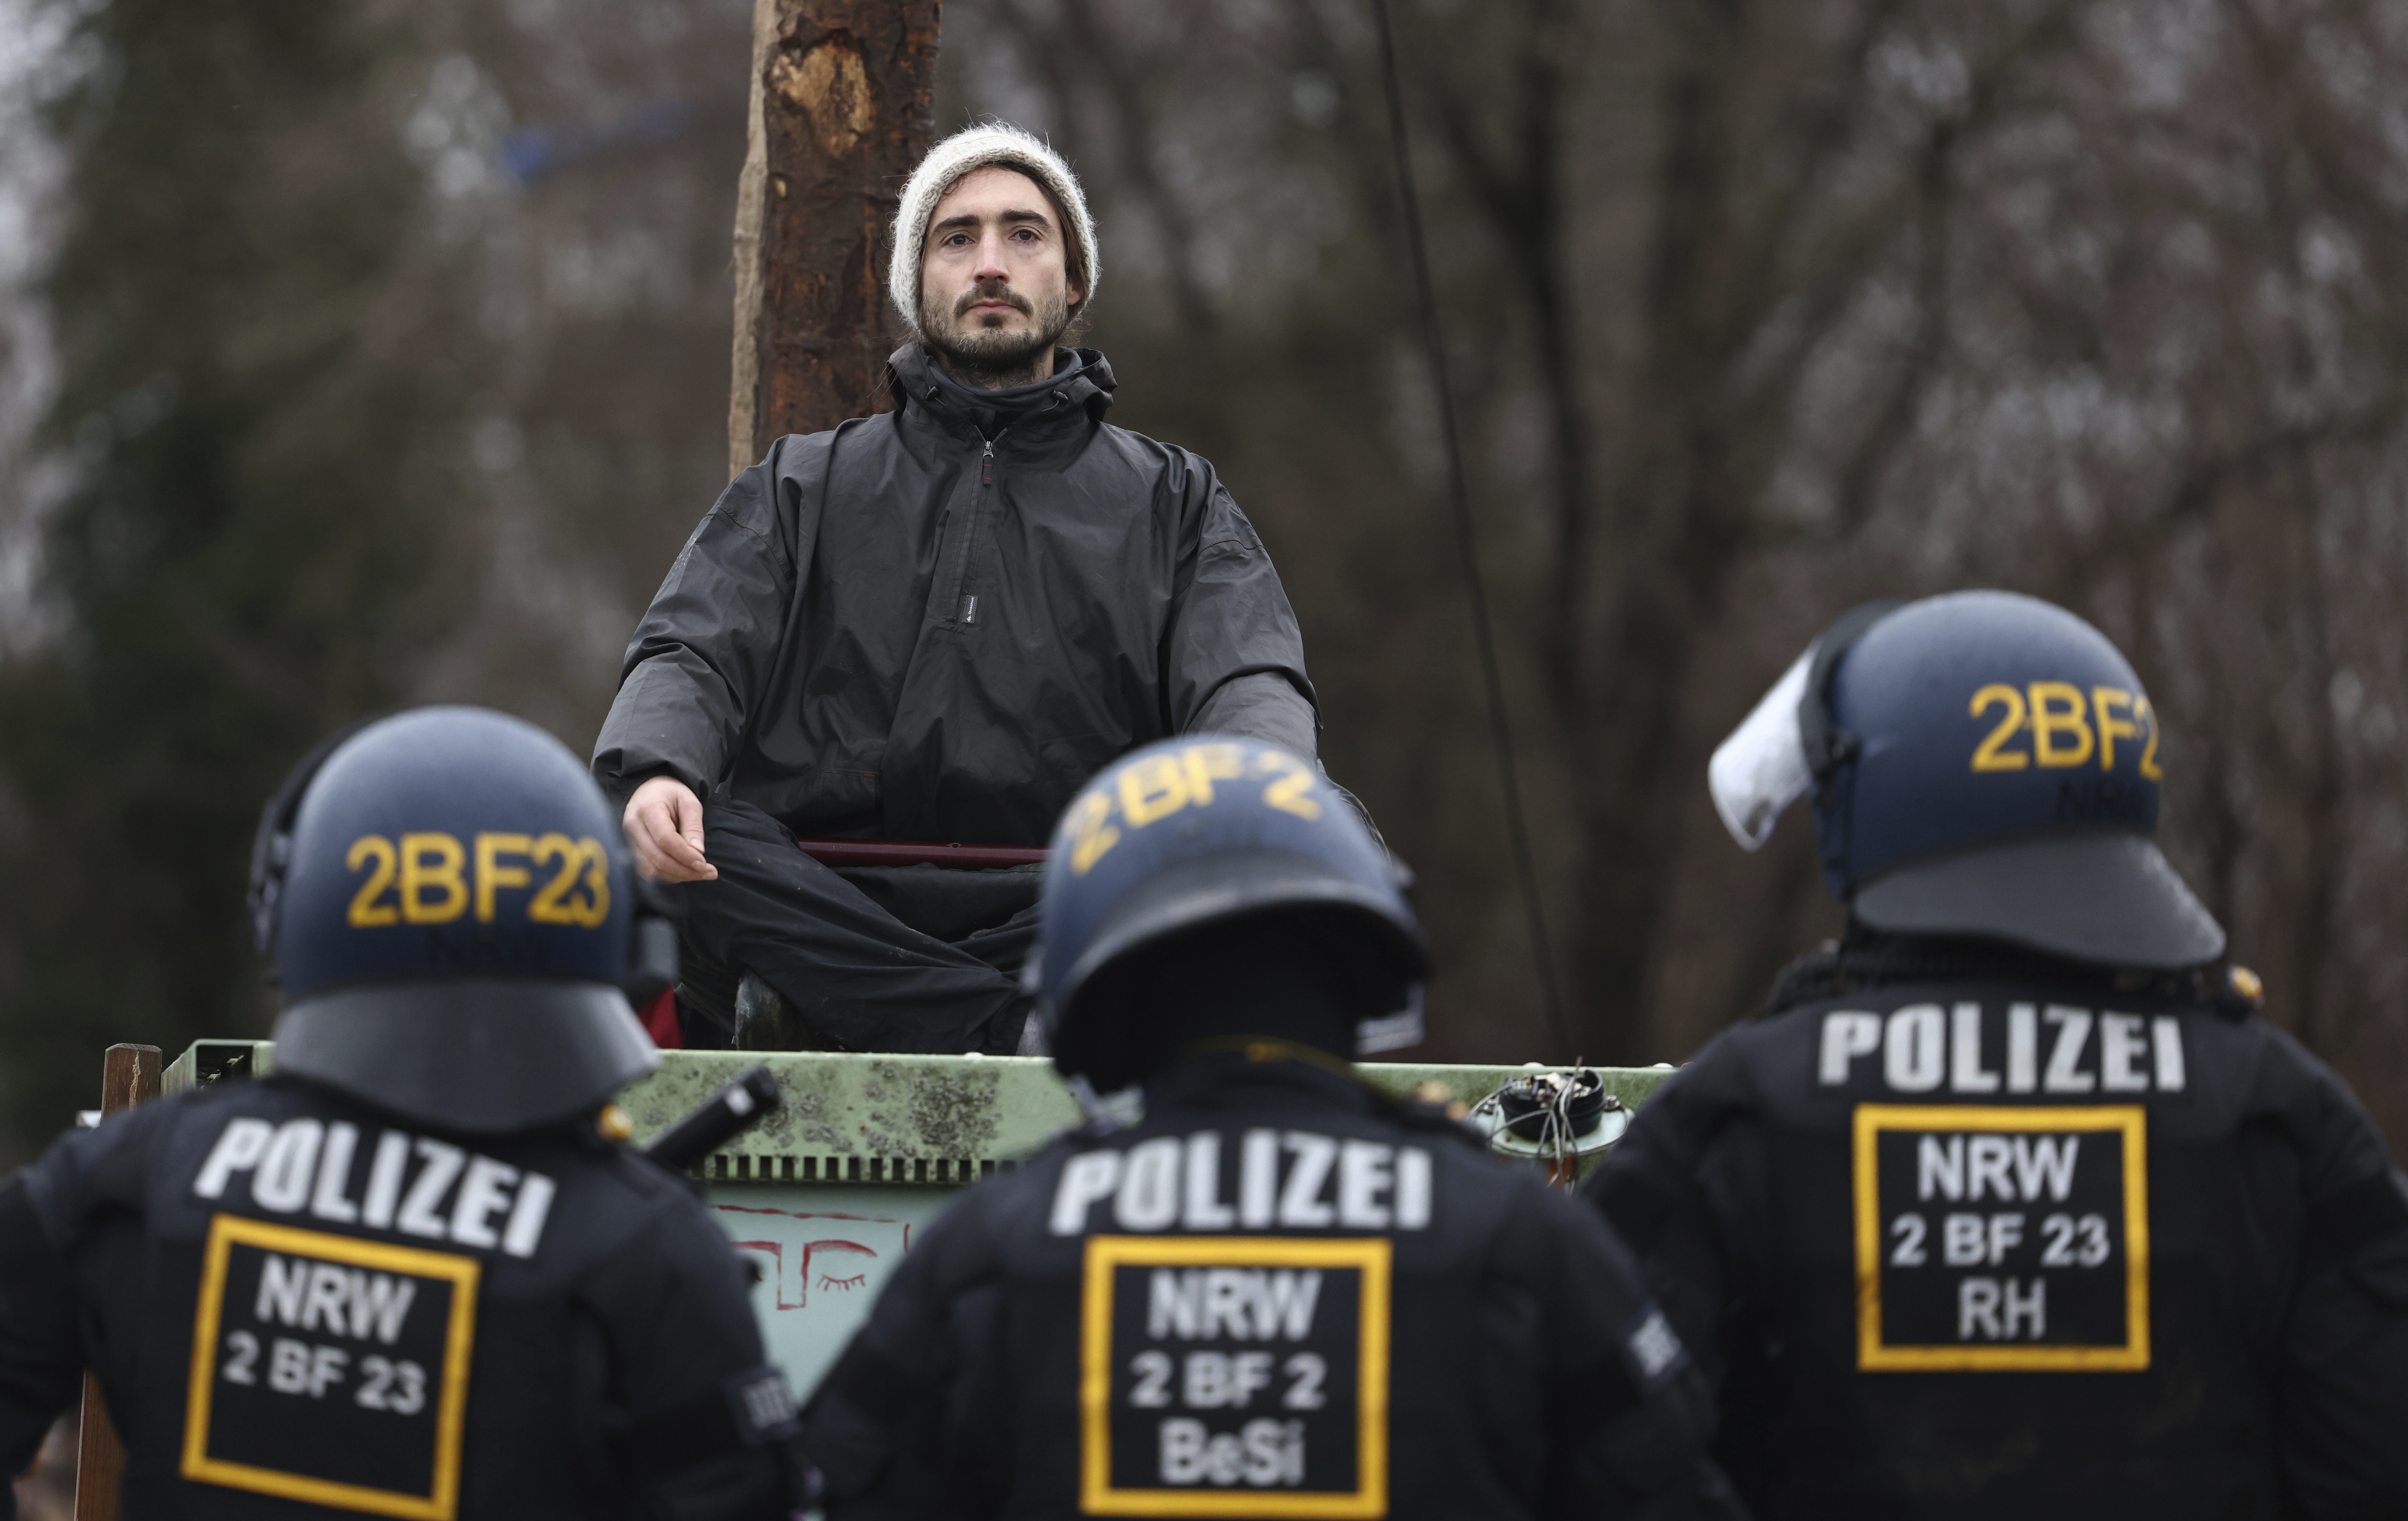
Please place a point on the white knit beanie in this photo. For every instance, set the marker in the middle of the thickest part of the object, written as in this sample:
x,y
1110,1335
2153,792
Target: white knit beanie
x,y
975,147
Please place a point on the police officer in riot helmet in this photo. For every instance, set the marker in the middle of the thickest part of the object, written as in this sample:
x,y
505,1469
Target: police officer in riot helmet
x,y
1276,1294
2008,1205
406,1274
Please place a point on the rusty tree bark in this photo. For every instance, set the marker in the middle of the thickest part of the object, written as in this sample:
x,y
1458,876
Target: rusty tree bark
x,y
840,113
129,1075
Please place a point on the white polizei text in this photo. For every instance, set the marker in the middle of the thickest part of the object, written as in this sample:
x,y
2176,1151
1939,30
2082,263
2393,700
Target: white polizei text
x,y
1291,1178
2058,1050
309,1162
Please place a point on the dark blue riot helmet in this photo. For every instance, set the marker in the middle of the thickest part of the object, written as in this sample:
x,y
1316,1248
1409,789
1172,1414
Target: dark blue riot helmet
x,y
447,904
1981,763
1198,831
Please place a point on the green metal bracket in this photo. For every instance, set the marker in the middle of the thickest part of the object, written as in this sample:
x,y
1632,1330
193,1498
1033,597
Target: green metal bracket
x,y
941,1121
211,1061
947,1120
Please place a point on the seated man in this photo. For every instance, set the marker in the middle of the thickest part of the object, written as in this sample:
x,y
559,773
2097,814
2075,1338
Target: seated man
x,y
933,625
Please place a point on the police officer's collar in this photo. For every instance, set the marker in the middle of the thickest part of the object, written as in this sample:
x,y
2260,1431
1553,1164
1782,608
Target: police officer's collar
x,y
1867,960
1258,1062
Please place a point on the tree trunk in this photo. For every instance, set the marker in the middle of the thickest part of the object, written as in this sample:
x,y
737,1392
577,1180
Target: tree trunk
x,y
839,118
129,1075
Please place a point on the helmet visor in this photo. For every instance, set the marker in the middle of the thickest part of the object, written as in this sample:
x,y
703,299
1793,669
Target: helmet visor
x,y
1757,773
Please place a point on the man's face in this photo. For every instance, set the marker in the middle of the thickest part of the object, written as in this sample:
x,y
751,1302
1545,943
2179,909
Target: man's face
x,y
994,285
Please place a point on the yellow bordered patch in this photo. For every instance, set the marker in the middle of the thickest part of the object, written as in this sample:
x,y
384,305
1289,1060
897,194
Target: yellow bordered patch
x,y
330,1370
1991,1238
1233,1376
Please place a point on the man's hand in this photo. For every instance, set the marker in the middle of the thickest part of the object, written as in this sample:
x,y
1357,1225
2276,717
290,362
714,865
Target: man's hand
x,y
664,823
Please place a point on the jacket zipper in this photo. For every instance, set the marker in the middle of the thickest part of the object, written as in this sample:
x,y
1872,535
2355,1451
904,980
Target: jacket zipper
x,y
966,604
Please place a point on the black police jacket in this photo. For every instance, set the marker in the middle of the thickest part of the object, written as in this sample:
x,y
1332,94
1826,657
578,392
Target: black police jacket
x,y
2028,1244
899,630
1272,1297
289,1296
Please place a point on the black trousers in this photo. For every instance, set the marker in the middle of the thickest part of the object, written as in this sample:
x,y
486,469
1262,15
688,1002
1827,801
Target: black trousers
x,y
917,958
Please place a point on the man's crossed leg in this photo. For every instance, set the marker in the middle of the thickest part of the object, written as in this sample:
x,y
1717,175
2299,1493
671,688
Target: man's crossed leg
x,y
904,959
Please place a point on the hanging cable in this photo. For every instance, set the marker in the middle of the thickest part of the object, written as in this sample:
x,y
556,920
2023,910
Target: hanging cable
x,y
1500,725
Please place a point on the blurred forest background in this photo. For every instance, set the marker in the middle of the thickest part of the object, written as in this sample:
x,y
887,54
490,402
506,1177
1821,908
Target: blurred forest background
x,y
355,353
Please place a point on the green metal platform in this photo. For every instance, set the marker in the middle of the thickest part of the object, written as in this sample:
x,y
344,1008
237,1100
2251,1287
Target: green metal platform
x,y
825,1194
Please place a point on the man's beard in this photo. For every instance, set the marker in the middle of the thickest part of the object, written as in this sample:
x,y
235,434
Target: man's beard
x,y
995,359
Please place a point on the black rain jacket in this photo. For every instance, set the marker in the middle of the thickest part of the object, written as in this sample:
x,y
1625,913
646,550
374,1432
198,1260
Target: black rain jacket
x,y
1522,1369
603,1355
2271,1280
901,630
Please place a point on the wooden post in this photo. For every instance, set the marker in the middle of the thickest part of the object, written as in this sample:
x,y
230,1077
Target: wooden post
x,y
129,1075
839,118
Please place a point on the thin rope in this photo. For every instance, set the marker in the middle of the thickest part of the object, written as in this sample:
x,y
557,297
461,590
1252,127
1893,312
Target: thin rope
x,y
1500,725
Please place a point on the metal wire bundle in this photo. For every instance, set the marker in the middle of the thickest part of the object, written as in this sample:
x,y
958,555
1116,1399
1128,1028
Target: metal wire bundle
x,y
1550,1112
